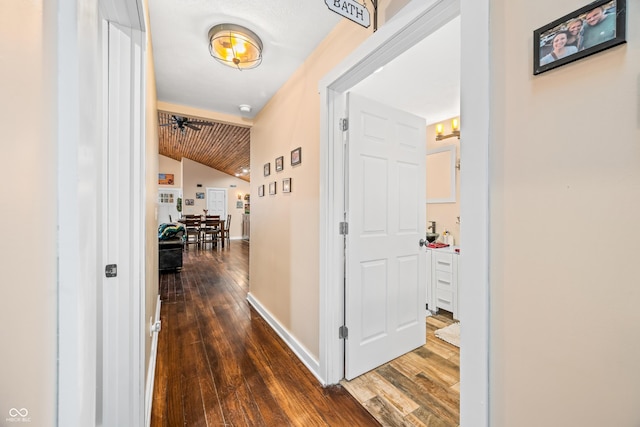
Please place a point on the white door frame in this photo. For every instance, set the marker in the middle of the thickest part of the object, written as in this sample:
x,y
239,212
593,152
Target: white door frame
x,y
413,23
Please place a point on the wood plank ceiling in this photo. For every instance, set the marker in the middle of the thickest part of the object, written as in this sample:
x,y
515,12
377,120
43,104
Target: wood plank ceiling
x,y
220,146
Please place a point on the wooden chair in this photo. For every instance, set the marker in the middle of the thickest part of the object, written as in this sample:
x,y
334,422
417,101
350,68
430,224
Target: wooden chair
x,y
209,230
192,225
224,232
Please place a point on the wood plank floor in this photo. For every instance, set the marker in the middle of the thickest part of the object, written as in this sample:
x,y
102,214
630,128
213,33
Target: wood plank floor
x,y
421,388
220,364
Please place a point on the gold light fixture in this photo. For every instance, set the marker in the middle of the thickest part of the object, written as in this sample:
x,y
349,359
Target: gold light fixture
x,y
455,130
235,46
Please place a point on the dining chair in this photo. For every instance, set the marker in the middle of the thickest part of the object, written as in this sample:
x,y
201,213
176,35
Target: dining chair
x,y
209,230
192,225
224,232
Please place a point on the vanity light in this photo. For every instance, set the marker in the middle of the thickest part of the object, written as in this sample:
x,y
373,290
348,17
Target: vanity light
x,y
455,130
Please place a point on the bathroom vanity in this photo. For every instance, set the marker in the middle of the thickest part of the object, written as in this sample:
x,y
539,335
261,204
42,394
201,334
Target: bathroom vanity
x,y
442,280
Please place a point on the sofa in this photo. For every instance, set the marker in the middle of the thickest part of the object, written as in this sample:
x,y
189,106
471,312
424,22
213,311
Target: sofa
x,y
170,245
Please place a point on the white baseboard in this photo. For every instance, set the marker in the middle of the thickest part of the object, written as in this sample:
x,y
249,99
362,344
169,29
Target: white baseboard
x,y
151,373
298,349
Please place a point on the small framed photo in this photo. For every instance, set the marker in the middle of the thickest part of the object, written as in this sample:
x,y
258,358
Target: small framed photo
x,y
267,169
272,188
261,190
296,156
279,163
188,202
199,195
239,204
592,28
286,185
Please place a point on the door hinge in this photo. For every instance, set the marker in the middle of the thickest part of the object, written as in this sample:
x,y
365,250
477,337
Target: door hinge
x,y
343,332
344,124
344,228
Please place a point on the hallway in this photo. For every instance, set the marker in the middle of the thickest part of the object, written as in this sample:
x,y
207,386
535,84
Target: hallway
x,y
220,364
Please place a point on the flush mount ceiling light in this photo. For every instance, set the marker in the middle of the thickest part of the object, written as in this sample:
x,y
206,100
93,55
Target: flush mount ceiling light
x,y
235,46
245,108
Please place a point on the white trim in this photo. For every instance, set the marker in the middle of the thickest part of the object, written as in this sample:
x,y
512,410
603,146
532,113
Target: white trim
x,y
151,372
299,350
413,23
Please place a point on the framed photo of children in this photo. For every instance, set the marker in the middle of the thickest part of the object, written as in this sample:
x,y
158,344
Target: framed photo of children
x,y
588,30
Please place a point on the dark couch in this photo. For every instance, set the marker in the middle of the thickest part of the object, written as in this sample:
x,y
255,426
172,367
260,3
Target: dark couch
x,y
170,244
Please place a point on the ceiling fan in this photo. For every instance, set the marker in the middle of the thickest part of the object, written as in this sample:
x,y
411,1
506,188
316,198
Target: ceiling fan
x,y
181,123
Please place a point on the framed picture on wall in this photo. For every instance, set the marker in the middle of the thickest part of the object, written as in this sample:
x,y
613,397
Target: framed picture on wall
x,y
272,188
296,156
286,185
261,190
267,169
591,29
199,195
279,163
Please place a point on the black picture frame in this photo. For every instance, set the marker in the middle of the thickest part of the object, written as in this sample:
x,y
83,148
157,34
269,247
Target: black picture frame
x,y
267,169
272,188
261,191
608,31
286,185
279,163
296,156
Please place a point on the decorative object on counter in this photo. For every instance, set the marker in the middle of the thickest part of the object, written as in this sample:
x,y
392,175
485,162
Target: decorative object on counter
x,y
272,188
437,245
450,334
279,163
447,238
286,185
296,156
267,169
592,28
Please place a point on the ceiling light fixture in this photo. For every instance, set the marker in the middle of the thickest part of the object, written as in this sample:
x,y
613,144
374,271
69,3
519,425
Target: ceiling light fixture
x,y
235,46
245,108
455,130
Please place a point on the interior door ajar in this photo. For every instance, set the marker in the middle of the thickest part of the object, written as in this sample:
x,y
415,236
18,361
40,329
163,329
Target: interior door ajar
x,y
385,289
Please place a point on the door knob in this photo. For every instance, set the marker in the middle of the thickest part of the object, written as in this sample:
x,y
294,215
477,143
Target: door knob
x,y
423,242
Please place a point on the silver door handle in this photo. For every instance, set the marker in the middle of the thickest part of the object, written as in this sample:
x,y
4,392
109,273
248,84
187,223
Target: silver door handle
x,y
423,242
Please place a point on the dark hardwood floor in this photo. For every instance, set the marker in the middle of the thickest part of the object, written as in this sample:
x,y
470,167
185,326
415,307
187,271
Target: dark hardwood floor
x,y
220,364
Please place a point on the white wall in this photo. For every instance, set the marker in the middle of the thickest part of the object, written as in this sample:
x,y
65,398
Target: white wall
x,y
565,203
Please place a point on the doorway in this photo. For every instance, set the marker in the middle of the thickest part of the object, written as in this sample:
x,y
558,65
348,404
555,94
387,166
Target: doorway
x,y
415,22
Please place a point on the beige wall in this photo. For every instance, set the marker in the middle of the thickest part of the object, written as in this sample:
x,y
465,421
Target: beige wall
x,y
196,173
445,214
565,204
284,227
151,196
28,206
168,165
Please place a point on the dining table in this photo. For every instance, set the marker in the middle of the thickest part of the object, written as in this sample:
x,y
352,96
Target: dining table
x,y
215,223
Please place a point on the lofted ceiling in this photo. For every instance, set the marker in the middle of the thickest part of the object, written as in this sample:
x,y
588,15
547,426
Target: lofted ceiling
x,y
423,80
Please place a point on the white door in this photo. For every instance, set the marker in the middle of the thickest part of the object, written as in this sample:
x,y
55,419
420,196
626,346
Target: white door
x,y
386,204
217,202
122,298
167,205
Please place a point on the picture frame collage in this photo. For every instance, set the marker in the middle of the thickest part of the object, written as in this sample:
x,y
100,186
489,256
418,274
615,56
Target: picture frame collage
x,y
272,186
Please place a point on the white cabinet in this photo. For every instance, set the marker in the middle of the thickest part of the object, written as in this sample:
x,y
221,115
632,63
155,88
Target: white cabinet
x,y
442,280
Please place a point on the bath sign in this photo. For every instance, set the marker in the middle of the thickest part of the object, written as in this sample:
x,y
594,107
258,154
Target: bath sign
x,y
350,9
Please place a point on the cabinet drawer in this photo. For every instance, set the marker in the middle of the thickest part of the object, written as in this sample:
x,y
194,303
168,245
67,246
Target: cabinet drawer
x,y
444,262
444,300
444,280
